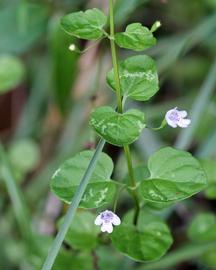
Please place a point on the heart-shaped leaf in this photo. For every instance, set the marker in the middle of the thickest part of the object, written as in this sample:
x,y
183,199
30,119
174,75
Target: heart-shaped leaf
x,y
136,37
174,175
147,241
86,25
138,77
11,72
100,189
115,128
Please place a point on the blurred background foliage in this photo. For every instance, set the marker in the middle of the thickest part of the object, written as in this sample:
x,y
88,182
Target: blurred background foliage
x,y
46,95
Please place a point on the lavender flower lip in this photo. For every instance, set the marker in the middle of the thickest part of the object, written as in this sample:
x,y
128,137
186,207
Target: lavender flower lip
x,y
176,118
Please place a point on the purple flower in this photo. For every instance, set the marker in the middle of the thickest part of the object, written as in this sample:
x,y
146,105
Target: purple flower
x,y
106,220
176,118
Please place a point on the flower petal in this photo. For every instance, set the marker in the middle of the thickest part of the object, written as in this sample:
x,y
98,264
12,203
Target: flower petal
x,y
183,123
171,123
98,220
107,227
116,220
169,112
168,120
183,114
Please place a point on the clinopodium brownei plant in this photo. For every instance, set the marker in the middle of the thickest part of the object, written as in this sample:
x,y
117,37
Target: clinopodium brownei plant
x,y
169,176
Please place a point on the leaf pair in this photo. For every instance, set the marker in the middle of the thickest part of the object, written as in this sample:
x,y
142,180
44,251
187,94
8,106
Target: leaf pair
x,y
89,25
172,175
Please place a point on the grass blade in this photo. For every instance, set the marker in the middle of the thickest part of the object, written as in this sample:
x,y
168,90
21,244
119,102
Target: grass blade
x,y
72,209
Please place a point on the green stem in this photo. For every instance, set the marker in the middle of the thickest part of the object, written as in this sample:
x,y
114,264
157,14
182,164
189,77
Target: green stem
x,y
162,125
120,110
188,252
54,250
114,58
132,182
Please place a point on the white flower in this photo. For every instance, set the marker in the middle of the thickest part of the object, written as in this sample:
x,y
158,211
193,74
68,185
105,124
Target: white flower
x,y
106,220
176,118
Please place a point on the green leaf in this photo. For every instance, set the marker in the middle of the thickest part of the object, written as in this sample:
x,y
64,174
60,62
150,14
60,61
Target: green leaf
x,y
158,206
11,72
82,233
174,175
98,194
140,173
203,228
138,77
136,37
115,128
86,25
209,167
147,241
100,189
